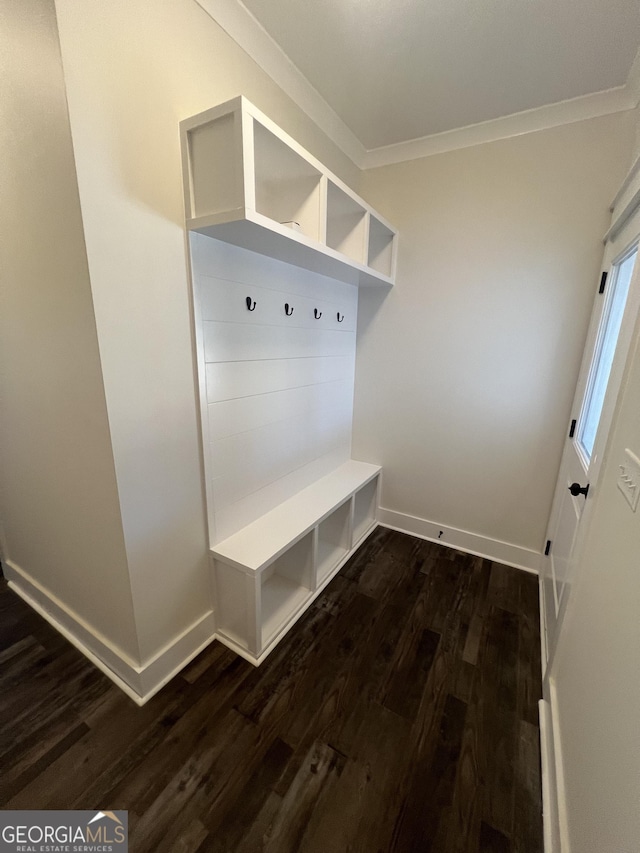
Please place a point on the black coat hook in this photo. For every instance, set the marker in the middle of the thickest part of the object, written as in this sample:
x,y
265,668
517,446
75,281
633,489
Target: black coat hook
x,y
340,319
317,314
286,309
249,305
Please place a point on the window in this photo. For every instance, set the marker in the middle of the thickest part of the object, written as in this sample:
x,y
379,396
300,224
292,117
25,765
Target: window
x,y
604,351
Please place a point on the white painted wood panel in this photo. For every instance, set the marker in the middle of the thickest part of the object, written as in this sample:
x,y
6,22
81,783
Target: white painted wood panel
x,y
279,389
217,259
220,190
232,380
240,342
243,414
224,300
231,518
249,461
273,533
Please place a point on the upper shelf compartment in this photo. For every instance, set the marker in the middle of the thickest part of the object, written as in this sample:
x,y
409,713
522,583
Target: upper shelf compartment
x,y
249,183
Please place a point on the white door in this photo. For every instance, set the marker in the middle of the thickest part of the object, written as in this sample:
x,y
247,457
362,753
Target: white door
x,y
599,381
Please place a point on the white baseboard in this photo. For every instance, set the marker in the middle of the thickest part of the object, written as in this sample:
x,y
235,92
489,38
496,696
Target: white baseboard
x,y
139,682
554,812
550,825
471,543
544,651
558,771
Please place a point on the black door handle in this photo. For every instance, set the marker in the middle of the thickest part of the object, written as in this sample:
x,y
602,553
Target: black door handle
x,y
576,489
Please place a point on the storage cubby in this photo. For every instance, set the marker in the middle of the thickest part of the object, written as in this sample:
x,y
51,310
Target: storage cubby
x,y
345,224
267,574
381,241
365,502
334,540
214,190
248,183
284,586
287,186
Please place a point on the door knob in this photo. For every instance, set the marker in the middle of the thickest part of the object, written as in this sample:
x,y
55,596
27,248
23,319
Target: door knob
x,y
576,489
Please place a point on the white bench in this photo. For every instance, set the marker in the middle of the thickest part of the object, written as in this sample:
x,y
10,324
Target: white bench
x,y
267,574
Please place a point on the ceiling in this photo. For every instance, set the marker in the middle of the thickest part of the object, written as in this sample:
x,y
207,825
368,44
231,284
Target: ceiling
x,y
397,70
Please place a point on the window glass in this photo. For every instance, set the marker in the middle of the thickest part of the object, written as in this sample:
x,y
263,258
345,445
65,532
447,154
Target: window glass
x,y
604,352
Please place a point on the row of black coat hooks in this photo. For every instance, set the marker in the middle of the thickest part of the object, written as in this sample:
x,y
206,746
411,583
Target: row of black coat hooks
x,y
288,310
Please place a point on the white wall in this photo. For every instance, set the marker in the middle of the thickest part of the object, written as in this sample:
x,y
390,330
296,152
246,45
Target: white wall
x,y
595,672
60,508
466,370
133,70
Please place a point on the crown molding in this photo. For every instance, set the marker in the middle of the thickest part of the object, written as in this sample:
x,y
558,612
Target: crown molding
x,y
517,124
236,20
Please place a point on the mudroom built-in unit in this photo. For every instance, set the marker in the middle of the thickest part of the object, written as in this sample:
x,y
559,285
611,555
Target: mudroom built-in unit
x,y
278,249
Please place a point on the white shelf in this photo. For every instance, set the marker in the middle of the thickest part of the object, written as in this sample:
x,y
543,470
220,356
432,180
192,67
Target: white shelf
x,y
328,558
244,178
259,234
334,540
281,600
287,187
381,246
346,224
258,544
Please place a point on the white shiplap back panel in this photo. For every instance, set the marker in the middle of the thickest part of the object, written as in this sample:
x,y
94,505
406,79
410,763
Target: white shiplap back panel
x,y
258,503
234,379
227,300
230,263
279,389
250,460
239,415
252,342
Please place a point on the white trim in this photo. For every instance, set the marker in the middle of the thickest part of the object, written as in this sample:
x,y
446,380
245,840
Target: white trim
x,y
472,543
624,186
550,825
628,199
540,118
139,682
621,220
543,626
561,800
236,20
633,80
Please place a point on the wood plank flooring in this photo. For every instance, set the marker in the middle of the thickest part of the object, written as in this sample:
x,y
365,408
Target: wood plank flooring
x,y
398,716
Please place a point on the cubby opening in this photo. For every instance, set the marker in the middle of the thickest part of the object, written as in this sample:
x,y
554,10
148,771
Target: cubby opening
x,y
364,509
285,586
345,224
334,540
287,186
214,189
380,247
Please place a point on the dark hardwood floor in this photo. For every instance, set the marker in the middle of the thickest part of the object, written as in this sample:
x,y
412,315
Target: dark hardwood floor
x,y
399,714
